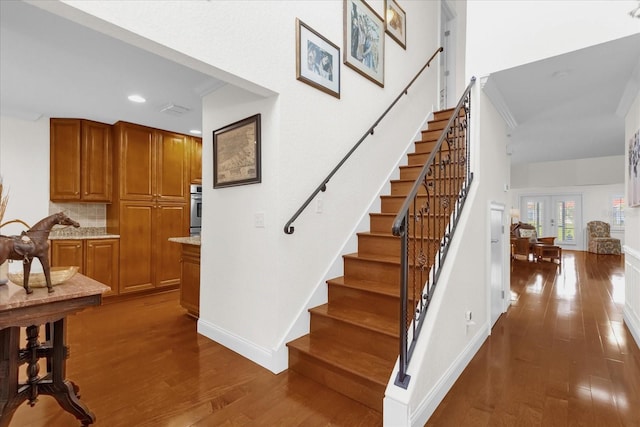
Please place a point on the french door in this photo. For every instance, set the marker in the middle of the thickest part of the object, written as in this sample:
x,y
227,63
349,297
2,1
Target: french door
x,y
554,215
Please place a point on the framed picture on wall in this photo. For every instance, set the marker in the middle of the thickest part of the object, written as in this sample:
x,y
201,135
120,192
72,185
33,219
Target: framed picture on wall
x,y
236,153
317,60
395,22
364,40
634,170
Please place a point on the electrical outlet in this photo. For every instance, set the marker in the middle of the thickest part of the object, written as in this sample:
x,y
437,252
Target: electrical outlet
x,y
319,205
259,219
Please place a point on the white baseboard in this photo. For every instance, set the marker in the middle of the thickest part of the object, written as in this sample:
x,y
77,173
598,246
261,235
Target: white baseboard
x,y
430,403
633,323
275,361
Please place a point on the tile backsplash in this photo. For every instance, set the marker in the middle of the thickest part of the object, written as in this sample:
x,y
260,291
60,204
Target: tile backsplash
x,y
87,214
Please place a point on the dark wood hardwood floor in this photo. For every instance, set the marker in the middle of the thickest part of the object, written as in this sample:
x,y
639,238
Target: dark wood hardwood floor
x,y
560,356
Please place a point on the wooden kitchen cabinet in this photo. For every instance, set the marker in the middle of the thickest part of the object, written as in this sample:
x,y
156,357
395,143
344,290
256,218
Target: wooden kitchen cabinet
x,y
190,279
147,259
67,253
95,258
81,161
196,161
151,204
151,164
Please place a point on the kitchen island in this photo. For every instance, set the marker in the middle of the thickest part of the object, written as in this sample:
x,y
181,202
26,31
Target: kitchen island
x,y
189,273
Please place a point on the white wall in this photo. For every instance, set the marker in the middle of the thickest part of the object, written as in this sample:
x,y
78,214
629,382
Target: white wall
x,y
632,215
256,281
632,235
24,166
506,34
591,171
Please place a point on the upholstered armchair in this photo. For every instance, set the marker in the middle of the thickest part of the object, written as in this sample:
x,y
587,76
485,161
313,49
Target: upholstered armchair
x,y
524,238
599,240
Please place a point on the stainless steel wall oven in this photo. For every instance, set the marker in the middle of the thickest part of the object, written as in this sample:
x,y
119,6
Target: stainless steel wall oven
x,y
196,210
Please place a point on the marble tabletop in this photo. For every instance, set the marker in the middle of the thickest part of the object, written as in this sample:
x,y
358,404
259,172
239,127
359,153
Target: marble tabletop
x,y
13,296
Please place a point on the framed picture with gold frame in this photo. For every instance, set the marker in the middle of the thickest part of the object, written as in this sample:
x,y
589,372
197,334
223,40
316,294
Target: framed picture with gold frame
x,y
395,23
364,40
317,60
236,153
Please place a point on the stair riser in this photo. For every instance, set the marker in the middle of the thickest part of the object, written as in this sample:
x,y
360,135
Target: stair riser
x,y
375,271
376,343
441,186
375,303
393,204
372,270
431,135
357,388
381,245
437,124
446,114
384,223
419,159
429,146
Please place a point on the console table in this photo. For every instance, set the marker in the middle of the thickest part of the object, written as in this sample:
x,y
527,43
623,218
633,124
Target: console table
x,y
19,310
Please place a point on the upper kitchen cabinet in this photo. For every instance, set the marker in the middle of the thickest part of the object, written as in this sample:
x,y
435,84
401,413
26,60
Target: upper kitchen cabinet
x,y
152,164
196,160
81,161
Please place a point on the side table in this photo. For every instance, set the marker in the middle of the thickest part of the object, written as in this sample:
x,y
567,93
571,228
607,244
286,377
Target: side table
x,y
19,310
552,252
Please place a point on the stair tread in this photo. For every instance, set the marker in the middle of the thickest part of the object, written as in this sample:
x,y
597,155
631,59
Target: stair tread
x,y
377,258
355,362
388,214
389,235
361,318
366,285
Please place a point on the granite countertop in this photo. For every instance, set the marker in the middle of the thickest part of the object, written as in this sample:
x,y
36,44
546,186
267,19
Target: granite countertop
x,y
70,233
195,240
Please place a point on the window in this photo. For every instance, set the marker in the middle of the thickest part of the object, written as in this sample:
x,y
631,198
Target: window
x,y
617,213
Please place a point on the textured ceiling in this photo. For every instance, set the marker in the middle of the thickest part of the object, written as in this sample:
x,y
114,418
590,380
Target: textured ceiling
x,y
572,105
52,67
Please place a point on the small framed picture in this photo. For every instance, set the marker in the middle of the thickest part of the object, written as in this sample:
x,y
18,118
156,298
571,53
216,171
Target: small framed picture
x,y
395,23
364,40
317,60
236,153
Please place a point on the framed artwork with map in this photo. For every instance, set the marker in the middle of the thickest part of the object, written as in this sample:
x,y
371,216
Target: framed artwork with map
x,y
236,153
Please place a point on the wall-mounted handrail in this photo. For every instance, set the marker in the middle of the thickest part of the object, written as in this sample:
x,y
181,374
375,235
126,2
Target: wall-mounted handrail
x,y
288,227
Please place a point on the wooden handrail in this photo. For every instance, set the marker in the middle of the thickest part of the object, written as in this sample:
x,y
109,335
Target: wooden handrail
x,y
288,227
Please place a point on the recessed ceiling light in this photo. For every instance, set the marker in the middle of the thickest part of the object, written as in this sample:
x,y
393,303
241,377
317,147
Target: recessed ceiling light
x,y
136,98
195,132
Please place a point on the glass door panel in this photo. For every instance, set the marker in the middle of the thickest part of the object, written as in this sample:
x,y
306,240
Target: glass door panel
x,y
566,219
554,215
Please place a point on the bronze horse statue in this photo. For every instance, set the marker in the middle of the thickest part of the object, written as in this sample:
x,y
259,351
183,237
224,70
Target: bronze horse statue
x,y
33,243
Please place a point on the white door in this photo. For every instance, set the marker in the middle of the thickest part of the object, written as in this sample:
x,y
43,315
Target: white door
x,y
447,57
559,216
497,260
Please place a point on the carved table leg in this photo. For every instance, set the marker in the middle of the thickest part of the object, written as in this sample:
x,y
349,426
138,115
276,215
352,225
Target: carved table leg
x,y
9,398
64,391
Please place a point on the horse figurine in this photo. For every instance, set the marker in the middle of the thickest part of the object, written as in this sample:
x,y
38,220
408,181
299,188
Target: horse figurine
x,y
33,243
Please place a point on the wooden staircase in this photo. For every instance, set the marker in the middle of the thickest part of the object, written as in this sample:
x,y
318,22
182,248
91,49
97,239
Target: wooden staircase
x,y
354,339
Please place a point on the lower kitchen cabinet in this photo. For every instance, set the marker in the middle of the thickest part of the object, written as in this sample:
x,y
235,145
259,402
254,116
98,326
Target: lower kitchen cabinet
x,y
190,279
147,259
95,258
